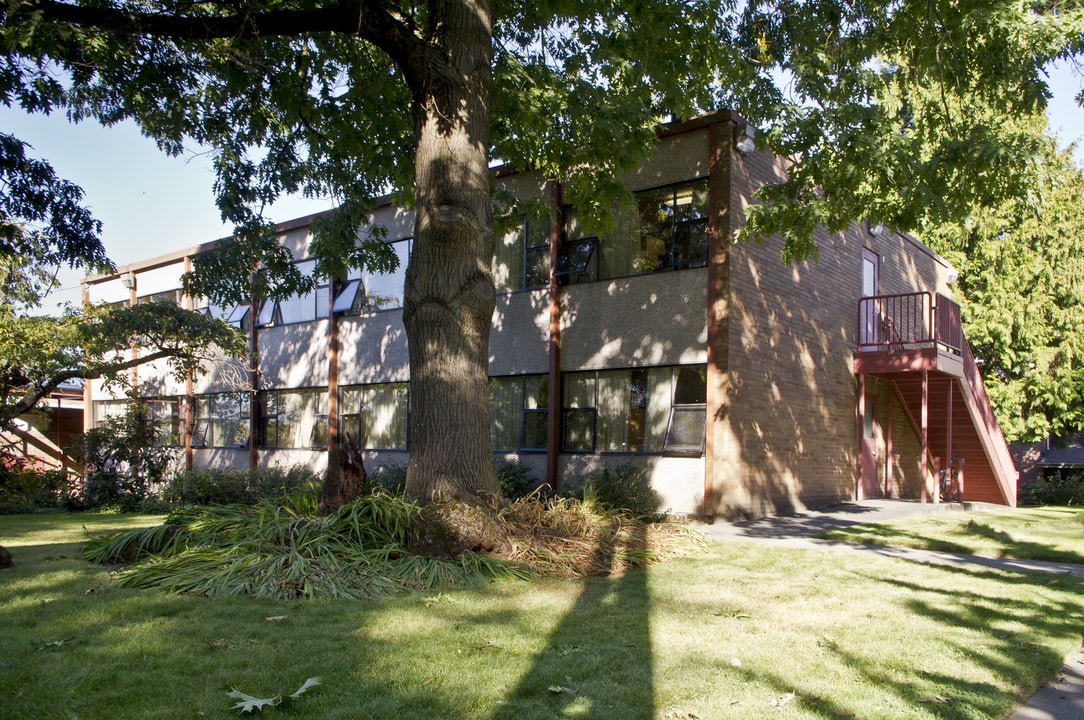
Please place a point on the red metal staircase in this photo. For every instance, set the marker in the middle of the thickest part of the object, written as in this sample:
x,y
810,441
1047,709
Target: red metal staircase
x,y
915,343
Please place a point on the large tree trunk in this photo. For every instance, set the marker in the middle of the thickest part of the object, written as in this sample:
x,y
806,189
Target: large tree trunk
x,y
450,297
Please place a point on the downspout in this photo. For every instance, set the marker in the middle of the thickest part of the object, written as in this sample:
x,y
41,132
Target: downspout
x,y
948,440
189,391
553,394
861,435
254,383
889,450
88,392
135,350
332,372
924,421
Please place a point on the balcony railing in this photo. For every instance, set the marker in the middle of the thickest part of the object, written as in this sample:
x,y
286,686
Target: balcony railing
x,y
908,321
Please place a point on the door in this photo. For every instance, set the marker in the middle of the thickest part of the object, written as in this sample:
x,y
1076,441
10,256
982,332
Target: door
x,y
868,324
868,487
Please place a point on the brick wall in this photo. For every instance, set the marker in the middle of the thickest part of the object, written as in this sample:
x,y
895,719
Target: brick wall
x,y
787,429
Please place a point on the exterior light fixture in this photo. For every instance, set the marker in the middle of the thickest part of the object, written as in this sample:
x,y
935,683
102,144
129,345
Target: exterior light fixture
x,y
876,229
952,275
743,141
128,281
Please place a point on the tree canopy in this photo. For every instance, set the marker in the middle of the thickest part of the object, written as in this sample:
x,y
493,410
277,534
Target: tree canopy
x,y
39,354
350,98
1021,289
43,227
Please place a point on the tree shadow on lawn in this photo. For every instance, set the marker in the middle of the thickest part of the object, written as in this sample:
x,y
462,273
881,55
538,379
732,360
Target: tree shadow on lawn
x,y
1010,546
1002,647
889,536
576,675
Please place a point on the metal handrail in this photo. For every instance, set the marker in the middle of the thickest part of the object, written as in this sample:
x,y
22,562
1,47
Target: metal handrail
x,y
893,322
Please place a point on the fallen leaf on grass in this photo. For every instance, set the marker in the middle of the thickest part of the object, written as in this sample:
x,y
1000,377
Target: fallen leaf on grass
x,y
308,685
275,618
781,701
248,703
55,644
558,689
940,699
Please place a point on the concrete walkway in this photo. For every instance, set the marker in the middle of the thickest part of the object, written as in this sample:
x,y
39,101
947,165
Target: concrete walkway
x,y
1061,699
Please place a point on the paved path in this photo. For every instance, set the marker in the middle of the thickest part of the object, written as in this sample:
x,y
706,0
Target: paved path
x,y
1061,699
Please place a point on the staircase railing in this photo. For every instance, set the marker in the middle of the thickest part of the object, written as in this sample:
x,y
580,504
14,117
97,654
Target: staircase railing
x,y
997,450
908,320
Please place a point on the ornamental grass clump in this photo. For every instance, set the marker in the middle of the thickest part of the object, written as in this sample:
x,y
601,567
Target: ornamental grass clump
x,y
283,549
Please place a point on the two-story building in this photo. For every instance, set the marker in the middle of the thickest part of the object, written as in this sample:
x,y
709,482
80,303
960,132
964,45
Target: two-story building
x,y
744,385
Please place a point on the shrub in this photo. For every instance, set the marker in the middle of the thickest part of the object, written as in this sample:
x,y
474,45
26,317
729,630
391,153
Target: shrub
x,y
249,486
24,489
124,461
625,489
515,480
390,478
1061,488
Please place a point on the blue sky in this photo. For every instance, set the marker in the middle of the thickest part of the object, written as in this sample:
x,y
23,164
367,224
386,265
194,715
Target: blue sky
x,y
152,204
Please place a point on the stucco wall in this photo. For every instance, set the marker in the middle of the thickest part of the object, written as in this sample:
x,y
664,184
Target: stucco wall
x,y
643,320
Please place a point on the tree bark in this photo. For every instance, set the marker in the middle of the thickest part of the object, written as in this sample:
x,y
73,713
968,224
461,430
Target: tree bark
x,y
449,295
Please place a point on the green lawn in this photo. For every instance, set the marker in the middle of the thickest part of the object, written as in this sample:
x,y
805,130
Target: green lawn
x,y
745,631
1046,533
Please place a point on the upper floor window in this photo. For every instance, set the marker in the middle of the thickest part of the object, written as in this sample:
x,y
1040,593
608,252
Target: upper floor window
x,y
162,418
170,296
383,291
522,259
297,308
662,229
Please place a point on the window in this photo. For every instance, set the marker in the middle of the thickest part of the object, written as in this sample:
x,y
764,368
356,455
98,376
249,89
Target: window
x,y
106,409
384,291
239,317
290,418
518,407
170,296
297,308
640,410
660,230
522,258
577,261
375,417
688,414
162,418
222,420
349,299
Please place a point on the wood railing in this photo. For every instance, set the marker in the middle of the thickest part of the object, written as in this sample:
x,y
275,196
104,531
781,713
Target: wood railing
x,y
898,322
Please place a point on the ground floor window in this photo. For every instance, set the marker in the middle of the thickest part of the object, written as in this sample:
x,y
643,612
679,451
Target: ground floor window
x,y
222,420
375,417
634,410
105,409
163,418
293,418
518,408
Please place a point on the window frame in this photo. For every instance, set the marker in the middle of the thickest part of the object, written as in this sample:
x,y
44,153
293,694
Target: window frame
x,y
665,443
